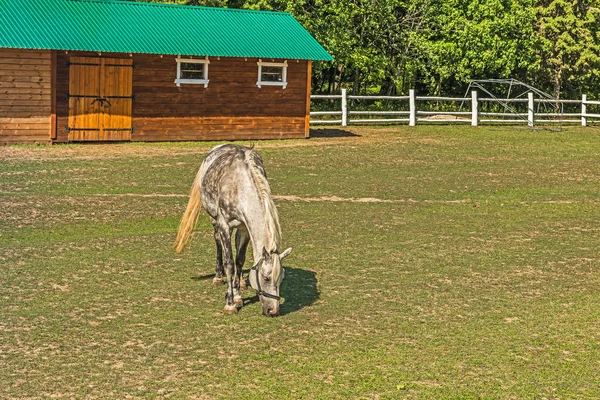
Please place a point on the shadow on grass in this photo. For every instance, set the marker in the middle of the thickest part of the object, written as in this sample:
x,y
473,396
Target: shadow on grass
x,y
203,277
299,289
331,133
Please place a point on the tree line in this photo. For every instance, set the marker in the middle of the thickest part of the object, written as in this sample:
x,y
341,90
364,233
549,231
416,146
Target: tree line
x,y
439,46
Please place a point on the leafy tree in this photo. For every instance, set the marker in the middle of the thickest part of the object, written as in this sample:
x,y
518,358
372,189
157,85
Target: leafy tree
x,y
568,45
373,41
477,39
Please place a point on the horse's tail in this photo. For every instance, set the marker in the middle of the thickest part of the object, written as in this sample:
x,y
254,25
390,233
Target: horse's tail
x,y
190,216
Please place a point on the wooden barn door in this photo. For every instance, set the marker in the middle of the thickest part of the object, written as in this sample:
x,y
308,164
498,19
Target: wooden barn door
x,y
100,99
84,91
115,90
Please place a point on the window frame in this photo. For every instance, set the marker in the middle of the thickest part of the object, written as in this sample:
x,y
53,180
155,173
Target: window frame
x,y
283,65
204,81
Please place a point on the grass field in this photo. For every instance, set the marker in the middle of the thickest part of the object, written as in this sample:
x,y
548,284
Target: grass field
x,y
429,263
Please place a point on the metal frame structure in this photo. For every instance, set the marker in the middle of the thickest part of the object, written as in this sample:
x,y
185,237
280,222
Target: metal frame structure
x,y
544,98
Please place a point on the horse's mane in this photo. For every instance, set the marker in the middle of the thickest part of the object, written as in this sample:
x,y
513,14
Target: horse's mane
x,y
272,219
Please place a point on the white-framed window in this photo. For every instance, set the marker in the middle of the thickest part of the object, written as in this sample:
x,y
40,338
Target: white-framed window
x,y
272,74
192,71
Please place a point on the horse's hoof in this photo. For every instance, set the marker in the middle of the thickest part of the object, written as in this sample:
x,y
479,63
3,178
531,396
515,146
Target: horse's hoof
x,y
217,281
230,310
238,301
243,285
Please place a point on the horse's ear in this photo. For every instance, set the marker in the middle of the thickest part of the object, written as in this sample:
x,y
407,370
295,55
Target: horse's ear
x,y
285,253
266,254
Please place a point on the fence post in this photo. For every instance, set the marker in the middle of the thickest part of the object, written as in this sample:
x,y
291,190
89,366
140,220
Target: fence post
x,y
344,108
412,104
530,107
474,108
583,110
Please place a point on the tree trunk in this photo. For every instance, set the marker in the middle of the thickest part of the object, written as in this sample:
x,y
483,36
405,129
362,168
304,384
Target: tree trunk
x,y
557,84
387,86
322,80
339,71
356,85
331,78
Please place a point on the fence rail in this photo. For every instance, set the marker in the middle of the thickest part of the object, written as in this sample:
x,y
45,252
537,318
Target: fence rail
x,y
531,117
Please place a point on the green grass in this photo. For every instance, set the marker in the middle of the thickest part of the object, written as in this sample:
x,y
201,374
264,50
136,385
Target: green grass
x,y
475,275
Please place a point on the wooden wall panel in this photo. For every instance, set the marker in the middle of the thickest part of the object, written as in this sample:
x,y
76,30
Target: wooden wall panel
x,y
307,100
62,89
218,128
231,107
25,96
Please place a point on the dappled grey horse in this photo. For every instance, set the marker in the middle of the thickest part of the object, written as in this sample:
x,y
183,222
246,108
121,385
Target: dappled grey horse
x,y
232,187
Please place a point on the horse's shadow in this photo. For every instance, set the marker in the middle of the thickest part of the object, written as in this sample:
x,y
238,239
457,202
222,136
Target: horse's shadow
x,y
298,289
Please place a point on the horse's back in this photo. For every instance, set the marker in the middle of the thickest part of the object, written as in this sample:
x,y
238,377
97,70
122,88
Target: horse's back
x,y
221,155
225,176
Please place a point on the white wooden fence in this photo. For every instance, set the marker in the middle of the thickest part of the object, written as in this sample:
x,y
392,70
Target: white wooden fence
x,y
473,116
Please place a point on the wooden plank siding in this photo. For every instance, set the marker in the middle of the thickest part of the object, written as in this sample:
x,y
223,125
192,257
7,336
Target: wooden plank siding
x,y
231,107
307,102
62,90
25,96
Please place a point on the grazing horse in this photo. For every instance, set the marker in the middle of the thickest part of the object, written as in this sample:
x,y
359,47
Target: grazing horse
x,y
231,185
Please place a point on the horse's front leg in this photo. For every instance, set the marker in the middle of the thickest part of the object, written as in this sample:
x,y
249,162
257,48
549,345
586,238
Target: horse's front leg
x,y
224,234
242,238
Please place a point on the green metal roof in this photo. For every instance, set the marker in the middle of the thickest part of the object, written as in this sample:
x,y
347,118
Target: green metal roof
x,y
150,28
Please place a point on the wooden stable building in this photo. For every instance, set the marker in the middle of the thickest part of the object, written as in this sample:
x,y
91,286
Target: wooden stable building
x,y
107,70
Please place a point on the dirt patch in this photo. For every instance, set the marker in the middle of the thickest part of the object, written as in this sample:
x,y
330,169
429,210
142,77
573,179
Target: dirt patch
x,y
332,198
389,135
365,200
297,198
150,195
443,117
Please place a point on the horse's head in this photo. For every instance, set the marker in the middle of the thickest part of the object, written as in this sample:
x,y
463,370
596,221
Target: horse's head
x,y
266,277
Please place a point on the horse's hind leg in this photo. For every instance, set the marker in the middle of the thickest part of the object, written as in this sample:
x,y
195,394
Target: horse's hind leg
x,y
219,271
224,235
242,238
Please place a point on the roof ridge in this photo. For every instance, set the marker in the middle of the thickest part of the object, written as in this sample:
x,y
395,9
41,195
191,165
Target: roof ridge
x,y
182,6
